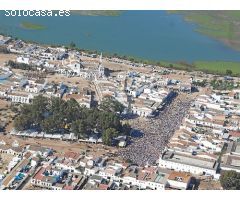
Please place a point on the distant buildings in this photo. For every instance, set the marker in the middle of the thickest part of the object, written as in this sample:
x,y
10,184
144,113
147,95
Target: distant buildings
x,y
20,97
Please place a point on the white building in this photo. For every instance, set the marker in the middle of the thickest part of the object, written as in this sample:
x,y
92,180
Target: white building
x,y
141,111
179,180
231,160
23,60
20,97
186,163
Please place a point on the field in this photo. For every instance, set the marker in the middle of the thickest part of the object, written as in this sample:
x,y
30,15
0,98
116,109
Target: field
x,y
31,26
221,25
177,65
213,67
218,67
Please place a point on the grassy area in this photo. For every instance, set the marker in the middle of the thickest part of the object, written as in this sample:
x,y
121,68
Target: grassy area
x,y
176,65
213,67
32,26
221,25
97,12
218,67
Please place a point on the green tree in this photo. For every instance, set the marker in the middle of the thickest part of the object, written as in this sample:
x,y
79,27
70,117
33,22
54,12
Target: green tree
x,y
229,72
4,50
39,108
108,135
48,125
79,128
126,128
230,180
54,114
21,123
72,45
111,105
72,110
52,124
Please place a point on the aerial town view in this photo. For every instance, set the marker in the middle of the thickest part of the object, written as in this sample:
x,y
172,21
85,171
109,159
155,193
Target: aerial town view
x,y
114,105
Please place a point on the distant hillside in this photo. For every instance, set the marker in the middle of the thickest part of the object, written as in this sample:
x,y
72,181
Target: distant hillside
x,y
221,25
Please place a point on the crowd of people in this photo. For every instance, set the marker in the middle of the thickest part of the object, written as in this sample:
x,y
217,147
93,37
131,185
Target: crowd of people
x,y
156,132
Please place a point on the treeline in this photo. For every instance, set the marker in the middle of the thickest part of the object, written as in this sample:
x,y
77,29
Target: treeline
x,y
228,72
223,85
28,67
4,50
22,66
230,180
56,115
202,83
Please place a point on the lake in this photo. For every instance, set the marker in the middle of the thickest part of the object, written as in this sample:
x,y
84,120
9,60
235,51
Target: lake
x,y
154,35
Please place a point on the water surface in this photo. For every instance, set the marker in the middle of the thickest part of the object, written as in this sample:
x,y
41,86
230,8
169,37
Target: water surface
x,y
154,35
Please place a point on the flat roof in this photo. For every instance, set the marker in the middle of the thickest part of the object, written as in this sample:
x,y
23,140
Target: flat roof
x,y
235,162
233,147
189,160
231,161
237,150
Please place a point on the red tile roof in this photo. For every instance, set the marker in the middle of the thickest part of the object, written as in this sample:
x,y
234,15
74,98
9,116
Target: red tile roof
x,y
103,187
72,155
68,187
39,174
234,133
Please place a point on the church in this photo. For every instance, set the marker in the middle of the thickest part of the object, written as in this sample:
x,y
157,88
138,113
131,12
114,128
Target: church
x,y
90,74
